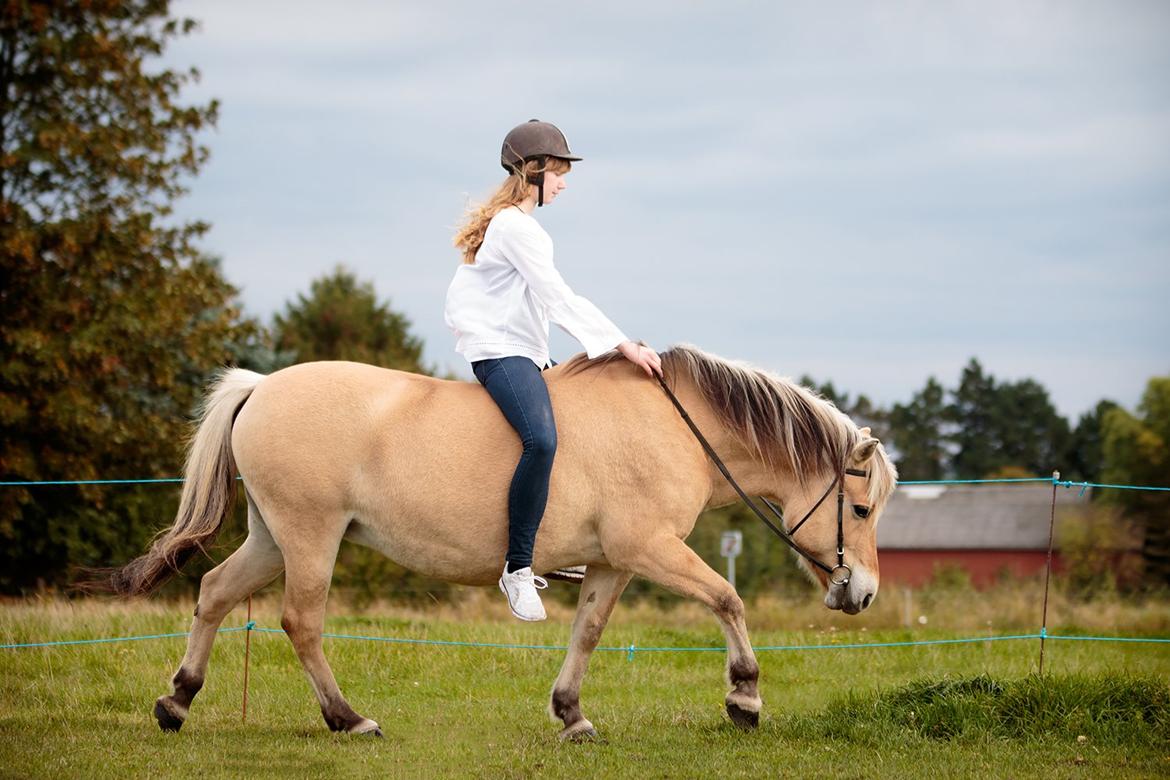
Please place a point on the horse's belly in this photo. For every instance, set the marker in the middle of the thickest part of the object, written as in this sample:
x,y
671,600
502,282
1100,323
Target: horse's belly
x,y
468,545
430,554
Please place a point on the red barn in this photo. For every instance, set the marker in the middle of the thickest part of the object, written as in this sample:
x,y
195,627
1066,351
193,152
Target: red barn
x,y
988,530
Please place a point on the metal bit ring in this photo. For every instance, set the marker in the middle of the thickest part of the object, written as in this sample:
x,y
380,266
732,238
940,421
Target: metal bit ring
x,y
839,567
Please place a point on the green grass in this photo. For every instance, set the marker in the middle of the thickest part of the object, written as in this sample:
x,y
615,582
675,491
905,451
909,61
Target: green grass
x,y
939,711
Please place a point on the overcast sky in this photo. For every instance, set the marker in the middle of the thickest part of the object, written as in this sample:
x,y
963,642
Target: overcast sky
x,y
871,193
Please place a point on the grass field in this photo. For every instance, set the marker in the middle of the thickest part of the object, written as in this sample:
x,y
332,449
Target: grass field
x,y
85,711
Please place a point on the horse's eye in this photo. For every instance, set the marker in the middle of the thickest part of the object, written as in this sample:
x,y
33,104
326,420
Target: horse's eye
x,y
861,511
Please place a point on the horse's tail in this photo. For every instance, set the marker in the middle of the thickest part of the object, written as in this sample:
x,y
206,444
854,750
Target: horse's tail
x,y
209,489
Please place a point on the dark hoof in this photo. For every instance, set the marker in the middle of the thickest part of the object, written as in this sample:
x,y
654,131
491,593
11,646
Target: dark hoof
x,y
167,721
745,719
376,733
581,731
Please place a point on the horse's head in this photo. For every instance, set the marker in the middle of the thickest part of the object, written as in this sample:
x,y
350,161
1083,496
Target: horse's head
x,y
865,486
801,450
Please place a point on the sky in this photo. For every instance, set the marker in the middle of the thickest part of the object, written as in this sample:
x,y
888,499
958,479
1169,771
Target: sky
x,y
871,193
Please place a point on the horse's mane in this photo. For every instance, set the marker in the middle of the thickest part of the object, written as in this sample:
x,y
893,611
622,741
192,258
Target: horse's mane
x,y
785,424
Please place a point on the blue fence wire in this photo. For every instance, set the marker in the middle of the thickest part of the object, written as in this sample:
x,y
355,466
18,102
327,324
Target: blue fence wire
x,y
106,640
630,650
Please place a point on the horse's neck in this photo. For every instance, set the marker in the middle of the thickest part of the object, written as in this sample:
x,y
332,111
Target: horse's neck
x,y
746,467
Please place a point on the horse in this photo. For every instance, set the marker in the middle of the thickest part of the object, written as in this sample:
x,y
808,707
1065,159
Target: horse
x,y
418,468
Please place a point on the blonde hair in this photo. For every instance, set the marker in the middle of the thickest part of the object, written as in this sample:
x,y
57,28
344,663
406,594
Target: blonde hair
x,y
513,190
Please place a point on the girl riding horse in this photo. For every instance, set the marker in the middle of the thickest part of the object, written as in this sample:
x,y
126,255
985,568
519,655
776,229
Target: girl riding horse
x,y
499,305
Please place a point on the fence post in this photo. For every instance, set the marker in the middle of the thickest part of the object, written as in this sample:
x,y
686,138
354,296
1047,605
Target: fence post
x,y
247,653
1048,569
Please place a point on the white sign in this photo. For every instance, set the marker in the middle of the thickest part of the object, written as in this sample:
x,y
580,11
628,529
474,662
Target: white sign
x,y
731,543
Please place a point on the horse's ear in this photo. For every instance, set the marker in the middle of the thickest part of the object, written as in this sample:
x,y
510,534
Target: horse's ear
x,y
865,432
864,449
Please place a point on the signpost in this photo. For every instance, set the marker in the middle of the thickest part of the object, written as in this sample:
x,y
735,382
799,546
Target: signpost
x,y
731,545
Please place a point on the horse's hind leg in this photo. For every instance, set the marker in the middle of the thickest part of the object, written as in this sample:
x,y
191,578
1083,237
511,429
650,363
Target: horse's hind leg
x,y
308,571
251,567
599,593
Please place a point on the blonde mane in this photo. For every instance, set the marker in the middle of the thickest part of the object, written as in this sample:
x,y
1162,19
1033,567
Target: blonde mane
x,y
784,424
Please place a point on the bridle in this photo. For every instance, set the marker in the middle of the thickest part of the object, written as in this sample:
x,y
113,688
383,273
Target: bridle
x,y
786,536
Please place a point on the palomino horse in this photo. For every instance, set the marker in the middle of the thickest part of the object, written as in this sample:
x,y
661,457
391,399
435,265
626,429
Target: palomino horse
x,y
419,469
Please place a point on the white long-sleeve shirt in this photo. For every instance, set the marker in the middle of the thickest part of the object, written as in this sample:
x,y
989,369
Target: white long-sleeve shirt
x,y
501,304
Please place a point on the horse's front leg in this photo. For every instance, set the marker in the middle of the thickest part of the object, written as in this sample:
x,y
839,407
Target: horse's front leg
x,y
600,591
668,561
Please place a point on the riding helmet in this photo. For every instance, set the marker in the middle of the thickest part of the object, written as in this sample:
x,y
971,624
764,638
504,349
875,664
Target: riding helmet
x,y
531,140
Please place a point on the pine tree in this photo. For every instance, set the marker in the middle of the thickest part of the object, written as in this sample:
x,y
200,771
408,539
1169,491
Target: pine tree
x,y
1085,455
918,432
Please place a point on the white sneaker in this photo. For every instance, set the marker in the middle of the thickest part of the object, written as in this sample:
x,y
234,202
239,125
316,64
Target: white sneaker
x,y
520,587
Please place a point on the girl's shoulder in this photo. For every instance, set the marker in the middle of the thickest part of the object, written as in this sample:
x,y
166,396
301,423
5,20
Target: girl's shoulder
x,y
513,220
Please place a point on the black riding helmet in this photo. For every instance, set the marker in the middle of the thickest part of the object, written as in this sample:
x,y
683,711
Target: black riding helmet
x,y
534,140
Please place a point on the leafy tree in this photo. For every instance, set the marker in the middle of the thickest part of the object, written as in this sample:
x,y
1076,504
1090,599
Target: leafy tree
x,y
918,431
341,319
112,319
1137,452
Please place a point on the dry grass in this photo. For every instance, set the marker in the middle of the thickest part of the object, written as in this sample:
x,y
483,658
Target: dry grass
x,y
1012,607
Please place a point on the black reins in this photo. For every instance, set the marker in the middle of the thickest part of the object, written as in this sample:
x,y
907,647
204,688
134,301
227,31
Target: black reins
x,y
785,535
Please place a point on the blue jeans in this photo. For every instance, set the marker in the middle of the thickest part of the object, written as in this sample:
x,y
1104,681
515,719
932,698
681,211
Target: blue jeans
x,y
517,387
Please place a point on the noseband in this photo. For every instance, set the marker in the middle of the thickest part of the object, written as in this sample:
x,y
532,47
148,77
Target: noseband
x,y
839,574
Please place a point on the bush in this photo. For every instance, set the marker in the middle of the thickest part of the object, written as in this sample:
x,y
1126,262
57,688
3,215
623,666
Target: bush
x,y
1099,552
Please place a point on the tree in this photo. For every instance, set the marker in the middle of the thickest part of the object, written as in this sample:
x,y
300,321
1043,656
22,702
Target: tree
x,y
112,319
861,410
1030,434
1137,452
918,433
972,409
1004,428
827,391
866,413
1084,458
341,319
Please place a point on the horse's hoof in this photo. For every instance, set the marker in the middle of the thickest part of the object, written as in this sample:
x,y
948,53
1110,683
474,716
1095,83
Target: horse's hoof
x,y
581,731
168,720
367,726
745,719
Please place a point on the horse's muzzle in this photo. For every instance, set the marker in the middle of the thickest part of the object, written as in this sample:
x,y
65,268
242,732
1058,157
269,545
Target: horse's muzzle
x,y
855,595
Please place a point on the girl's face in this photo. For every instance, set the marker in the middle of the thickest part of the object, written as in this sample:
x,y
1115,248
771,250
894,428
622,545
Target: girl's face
x,y
553,184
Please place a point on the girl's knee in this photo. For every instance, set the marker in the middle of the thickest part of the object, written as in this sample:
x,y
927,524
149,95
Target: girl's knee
x,y
542,443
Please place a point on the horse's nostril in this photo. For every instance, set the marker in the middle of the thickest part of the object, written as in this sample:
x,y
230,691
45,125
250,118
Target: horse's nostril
x,y
865,601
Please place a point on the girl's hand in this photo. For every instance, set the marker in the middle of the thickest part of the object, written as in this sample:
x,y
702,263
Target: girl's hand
x,y
641,355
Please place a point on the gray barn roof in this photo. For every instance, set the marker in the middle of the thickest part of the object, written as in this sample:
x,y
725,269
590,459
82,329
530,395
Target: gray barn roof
x,y
979,517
